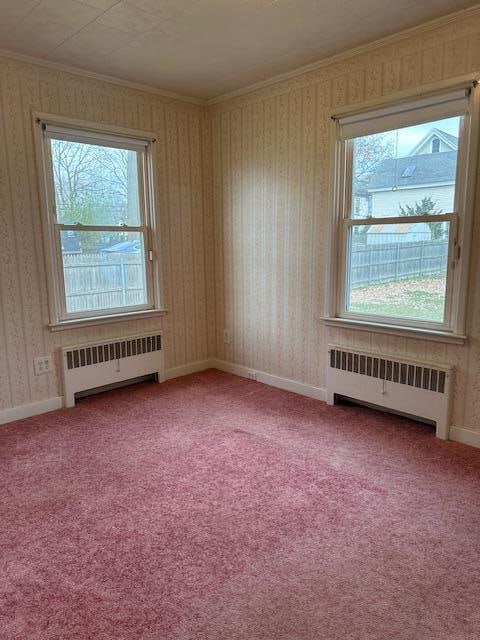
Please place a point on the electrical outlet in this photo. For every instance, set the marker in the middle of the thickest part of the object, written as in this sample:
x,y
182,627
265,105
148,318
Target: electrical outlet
x,y
43,364
252,375
226,336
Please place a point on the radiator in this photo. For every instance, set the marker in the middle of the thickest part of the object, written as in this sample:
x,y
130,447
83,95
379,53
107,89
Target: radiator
x,y
96,364
417,388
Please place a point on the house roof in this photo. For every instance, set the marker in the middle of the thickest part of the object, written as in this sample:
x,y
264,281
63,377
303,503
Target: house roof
x,y
401,227
447,138
428,168
452,140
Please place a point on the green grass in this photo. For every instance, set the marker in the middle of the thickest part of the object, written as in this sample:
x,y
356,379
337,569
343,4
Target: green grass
x,y
404,299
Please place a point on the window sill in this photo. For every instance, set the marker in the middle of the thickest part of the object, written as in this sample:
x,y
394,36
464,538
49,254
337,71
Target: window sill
x,y
78,323
397,330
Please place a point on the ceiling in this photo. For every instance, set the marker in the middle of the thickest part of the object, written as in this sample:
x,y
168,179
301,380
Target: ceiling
x,y
202,48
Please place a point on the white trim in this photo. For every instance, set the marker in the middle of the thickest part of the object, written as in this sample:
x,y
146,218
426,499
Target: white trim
x,y
59,318
85,73
52,404
31,409
465,436
187,369
396,330
456,434
466,202
79,323
273,381
392,39
459,235
428,217
370,47
412,187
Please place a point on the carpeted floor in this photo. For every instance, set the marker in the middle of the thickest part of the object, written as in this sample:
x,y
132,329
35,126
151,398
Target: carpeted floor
x,y
213,507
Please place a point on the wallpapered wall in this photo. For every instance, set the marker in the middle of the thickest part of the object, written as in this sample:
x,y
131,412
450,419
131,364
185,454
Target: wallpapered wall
x,y
243,189
270,193
182,132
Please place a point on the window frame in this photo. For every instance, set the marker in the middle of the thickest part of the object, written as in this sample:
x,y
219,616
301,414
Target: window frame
x,y
102,135
461,219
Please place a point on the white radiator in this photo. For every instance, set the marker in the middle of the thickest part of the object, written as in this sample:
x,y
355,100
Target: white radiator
x,y
96,364
416,388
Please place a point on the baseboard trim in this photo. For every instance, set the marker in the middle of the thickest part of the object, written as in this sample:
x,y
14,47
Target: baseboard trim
x,y
31,409
456,434
273,381
186,369
465,436
51,404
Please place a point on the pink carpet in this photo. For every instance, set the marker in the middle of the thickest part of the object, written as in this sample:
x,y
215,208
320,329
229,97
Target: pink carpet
x,y
213,507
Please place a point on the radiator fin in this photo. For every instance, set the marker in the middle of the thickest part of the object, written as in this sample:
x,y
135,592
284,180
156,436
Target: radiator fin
x,y
112,350
420,376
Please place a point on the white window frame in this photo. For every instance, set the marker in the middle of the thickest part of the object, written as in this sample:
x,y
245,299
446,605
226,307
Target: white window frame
x,y
84,131
461,220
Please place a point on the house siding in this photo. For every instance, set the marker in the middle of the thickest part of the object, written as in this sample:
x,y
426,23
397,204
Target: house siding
x,y
427,147
387,203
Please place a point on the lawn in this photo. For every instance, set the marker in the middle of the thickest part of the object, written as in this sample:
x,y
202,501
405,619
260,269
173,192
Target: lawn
x,y
419,299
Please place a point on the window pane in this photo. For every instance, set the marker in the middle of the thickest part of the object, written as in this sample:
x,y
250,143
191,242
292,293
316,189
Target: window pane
x,y
95,185
103,270
398,270
409,171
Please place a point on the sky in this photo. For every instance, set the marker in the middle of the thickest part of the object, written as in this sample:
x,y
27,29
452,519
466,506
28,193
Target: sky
x,y
410,136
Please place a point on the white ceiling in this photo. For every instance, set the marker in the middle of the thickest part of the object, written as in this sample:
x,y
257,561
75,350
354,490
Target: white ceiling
x,y
202,48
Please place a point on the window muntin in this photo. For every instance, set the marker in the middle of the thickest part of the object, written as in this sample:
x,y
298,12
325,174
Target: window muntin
x,y
99,214
444,221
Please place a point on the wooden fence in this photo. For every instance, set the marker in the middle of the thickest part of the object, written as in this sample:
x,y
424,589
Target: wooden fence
x,y
373,264
106,281
103,281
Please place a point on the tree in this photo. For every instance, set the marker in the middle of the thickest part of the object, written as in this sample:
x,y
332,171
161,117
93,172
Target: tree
x,y
95,185
369,152
426,206
92,181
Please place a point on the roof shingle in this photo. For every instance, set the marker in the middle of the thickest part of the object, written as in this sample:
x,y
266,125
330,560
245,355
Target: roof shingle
x,y
430,168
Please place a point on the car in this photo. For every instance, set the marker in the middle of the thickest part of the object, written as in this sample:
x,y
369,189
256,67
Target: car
x,y
129,246
71,242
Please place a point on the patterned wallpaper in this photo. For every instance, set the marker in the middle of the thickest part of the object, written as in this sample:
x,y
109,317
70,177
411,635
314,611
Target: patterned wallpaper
x,y
182,132
270,190
243,191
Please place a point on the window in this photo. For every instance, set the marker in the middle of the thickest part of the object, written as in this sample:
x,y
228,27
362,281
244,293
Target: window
x,y
99,223
402,209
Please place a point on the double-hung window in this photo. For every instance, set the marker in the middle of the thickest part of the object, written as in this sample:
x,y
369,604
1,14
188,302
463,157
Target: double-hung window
x,y
403,198
99,223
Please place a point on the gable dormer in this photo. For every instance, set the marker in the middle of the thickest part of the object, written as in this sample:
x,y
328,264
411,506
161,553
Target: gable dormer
x,y
435,141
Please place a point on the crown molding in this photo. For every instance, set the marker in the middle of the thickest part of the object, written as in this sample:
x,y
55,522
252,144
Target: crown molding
x,y
92,75
343,56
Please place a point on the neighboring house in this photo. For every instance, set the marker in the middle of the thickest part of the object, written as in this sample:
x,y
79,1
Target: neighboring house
x,y
436,141
403,232
361,202
428,171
